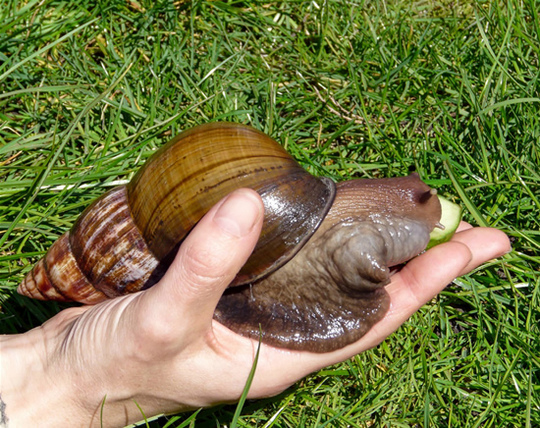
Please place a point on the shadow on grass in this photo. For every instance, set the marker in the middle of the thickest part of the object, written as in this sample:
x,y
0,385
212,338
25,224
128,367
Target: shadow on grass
x,y
222,416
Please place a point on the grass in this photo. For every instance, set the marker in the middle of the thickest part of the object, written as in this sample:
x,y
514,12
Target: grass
x,y
353,89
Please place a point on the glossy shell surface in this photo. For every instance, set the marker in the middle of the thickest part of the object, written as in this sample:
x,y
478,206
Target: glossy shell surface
x,y
195,170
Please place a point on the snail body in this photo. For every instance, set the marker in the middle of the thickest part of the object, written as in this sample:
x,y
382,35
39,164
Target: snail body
x,y
332,292
315,280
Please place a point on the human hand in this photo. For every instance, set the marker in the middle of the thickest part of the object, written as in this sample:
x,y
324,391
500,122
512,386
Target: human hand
x,y
161,350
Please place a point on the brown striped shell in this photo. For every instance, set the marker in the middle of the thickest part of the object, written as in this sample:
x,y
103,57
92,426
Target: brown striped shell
x,y
125,240
316,278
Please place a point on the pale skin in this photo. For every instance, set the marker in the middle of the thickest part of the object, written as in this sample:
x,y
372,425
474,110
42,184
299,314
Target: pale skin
x,y
161,349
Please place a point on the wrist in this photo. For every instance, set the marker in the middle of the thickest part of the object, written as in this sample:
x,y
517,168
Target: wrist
x,y
50,377
32,391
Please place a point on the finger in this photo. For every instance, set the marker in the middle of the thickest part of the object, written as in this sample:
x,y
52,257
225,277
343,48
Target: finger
x,y
426,275
209,259
423,278
485,244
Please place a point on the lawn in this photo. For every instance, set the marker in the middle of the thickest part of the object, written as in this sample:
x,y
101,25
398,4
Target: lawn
x,y
450,89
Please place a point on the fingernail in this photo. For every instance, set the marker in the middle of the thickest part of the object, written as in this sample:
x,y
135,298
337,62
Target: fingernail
x,y
238,213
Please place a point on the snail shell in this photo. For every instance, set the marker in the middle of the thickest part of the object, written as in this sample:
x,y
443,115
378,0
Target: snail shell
x,y
126,239
315,280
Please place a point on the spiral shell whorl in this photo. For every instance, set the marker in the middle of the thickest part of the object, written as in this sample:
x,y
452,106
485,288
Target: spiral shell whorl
x,y
103,256
58,277
109,247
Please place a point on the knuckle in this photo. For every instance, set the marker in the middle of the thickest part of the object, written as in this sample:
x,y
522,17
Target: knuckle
x,y
200,272
153,338
153,335
203,266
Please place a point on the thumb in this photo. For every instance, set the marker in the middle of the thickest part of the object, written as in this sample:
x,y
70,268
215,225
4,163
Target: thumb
x,y
209,259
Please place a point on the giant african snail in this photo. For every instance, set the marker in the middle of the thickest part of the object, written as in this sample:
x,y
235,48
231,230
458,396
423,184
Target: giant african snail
x,y
315,280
